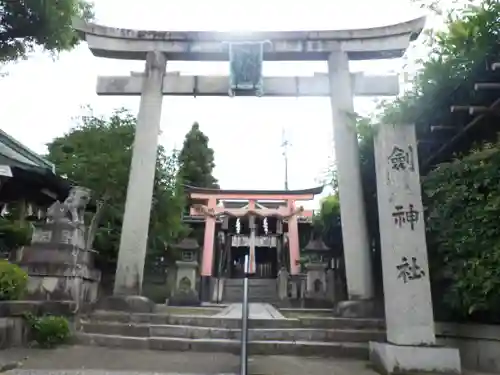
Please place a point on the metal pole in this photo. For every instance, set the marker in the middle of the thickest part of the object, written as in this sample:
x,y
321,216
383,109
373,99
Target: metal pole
x,y
285,145
244,320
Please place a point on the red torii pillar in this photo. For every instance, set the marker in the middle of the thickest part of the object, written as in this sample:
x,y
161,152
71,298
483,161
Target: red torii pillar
x,y
208,251
293,240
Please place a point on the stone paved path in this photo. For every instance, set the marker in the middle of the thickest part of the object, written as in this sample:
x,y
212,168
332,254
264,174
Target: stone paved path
x,y
143,362
256,311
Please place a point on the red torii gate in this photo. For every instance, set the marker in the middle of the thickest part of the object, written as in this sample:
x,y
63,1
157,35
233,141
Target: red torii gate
x,y
211,211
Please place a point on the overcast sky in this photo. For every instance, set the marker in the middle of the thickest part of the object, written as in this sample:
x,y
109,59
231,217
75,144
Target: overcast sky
x,y
41,96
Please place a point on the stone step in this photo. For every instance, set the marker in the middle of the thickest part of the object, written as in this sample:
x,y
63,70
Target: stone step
x,y
259,290
297,348
251,282
235,298
256,293
259,298
266,334
210,321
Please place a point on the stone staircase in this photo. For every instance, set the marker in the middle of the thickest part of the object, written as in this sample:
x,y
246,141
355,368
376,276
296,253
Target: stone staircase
x,y
259,290
308,336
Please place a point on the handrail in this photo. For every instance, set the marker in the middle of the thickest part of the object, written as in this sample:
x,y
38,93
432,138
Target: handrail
x,y
244,321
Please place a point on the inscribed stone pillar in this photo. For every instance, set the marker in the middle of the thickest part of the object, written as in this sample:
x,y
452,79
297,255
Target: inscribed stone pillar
x,y
354,228
408,309
407,291
134,235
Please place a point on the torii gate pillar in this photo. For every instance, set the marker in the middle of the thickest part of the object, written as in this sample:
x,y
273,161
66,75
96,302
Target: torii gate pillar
x,y
357,253
134,234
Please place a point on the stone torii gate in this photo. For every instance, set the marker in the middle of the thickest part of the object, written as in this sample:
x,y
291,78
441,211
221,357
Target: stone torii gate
x,y
335,47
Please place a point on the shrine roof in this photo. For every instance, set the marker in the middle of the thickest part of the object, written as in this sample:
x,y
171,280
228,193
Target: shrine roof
x,y
20,155
369,43
253,193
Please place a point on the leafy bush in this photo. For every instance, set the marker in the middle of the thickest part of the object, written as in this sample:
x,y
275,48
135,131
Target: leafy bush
x,y
49,331
14,234
463,207
13,281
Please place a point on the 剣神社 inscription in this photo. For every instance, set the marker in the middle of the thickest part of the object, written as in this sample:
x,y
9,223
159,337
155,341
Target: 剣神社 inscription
x,y
401,159
409,216
409,270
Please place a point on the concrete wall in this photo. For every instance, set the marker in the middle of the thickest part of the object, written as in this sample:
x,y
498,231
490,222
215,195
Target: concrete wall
x,y
14,330
479,345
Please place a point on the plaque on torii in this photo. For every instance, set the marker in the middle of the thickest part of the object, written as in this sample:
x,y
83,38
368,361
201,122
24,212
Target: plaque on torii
x,y
245,63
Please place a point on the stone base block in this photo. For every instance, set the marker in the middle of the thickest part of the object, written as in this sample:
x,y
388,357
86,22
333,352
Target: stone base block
x,y
62,288
396,359
356,309
134,304
184,298
217,290
205,288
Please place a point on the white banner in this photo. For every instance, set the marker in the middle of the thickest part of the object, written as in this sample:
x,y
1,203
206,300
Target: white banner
x,y
260,241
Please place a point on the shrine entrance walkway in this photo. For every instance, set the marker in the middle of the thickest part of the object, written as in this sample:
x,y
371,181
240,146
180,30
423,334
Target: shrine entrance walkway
x,y
255,311
87,360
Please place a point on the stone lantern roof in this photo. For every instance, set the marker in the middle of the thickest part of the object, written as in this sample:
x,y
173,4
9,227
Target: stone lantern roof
x,y
316,245
188,244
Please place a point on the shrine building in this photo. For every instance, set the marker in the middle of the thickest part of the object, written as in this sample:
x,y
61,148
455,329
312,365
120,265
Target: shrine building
x,y
228,217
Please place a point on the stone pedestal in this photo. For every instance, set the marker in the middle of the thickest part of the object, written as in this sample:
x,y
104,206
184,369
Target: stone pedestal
x,y
316,286
186,274
58,265
407,293
330,286
316,280
283,281
185,287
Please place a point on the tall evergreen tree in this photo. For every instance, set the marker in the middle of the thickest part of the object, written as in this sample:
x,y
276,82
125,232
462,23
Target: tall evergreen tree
x,y
197,160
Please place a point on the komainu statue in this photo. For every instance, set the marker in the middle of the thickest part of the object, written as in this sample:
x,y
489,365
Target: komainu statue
x,y
72,210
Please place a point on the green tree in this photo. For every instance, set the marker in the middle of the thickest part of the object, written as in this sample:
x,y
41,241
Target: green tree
x,y
45,23
457,56
326,223
197,160
463,206
97,154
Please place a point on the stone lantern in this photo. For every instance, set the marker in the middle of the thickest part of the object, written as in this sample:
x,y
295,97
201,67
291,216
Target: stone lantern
x,y
187,274
189,250
318,255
